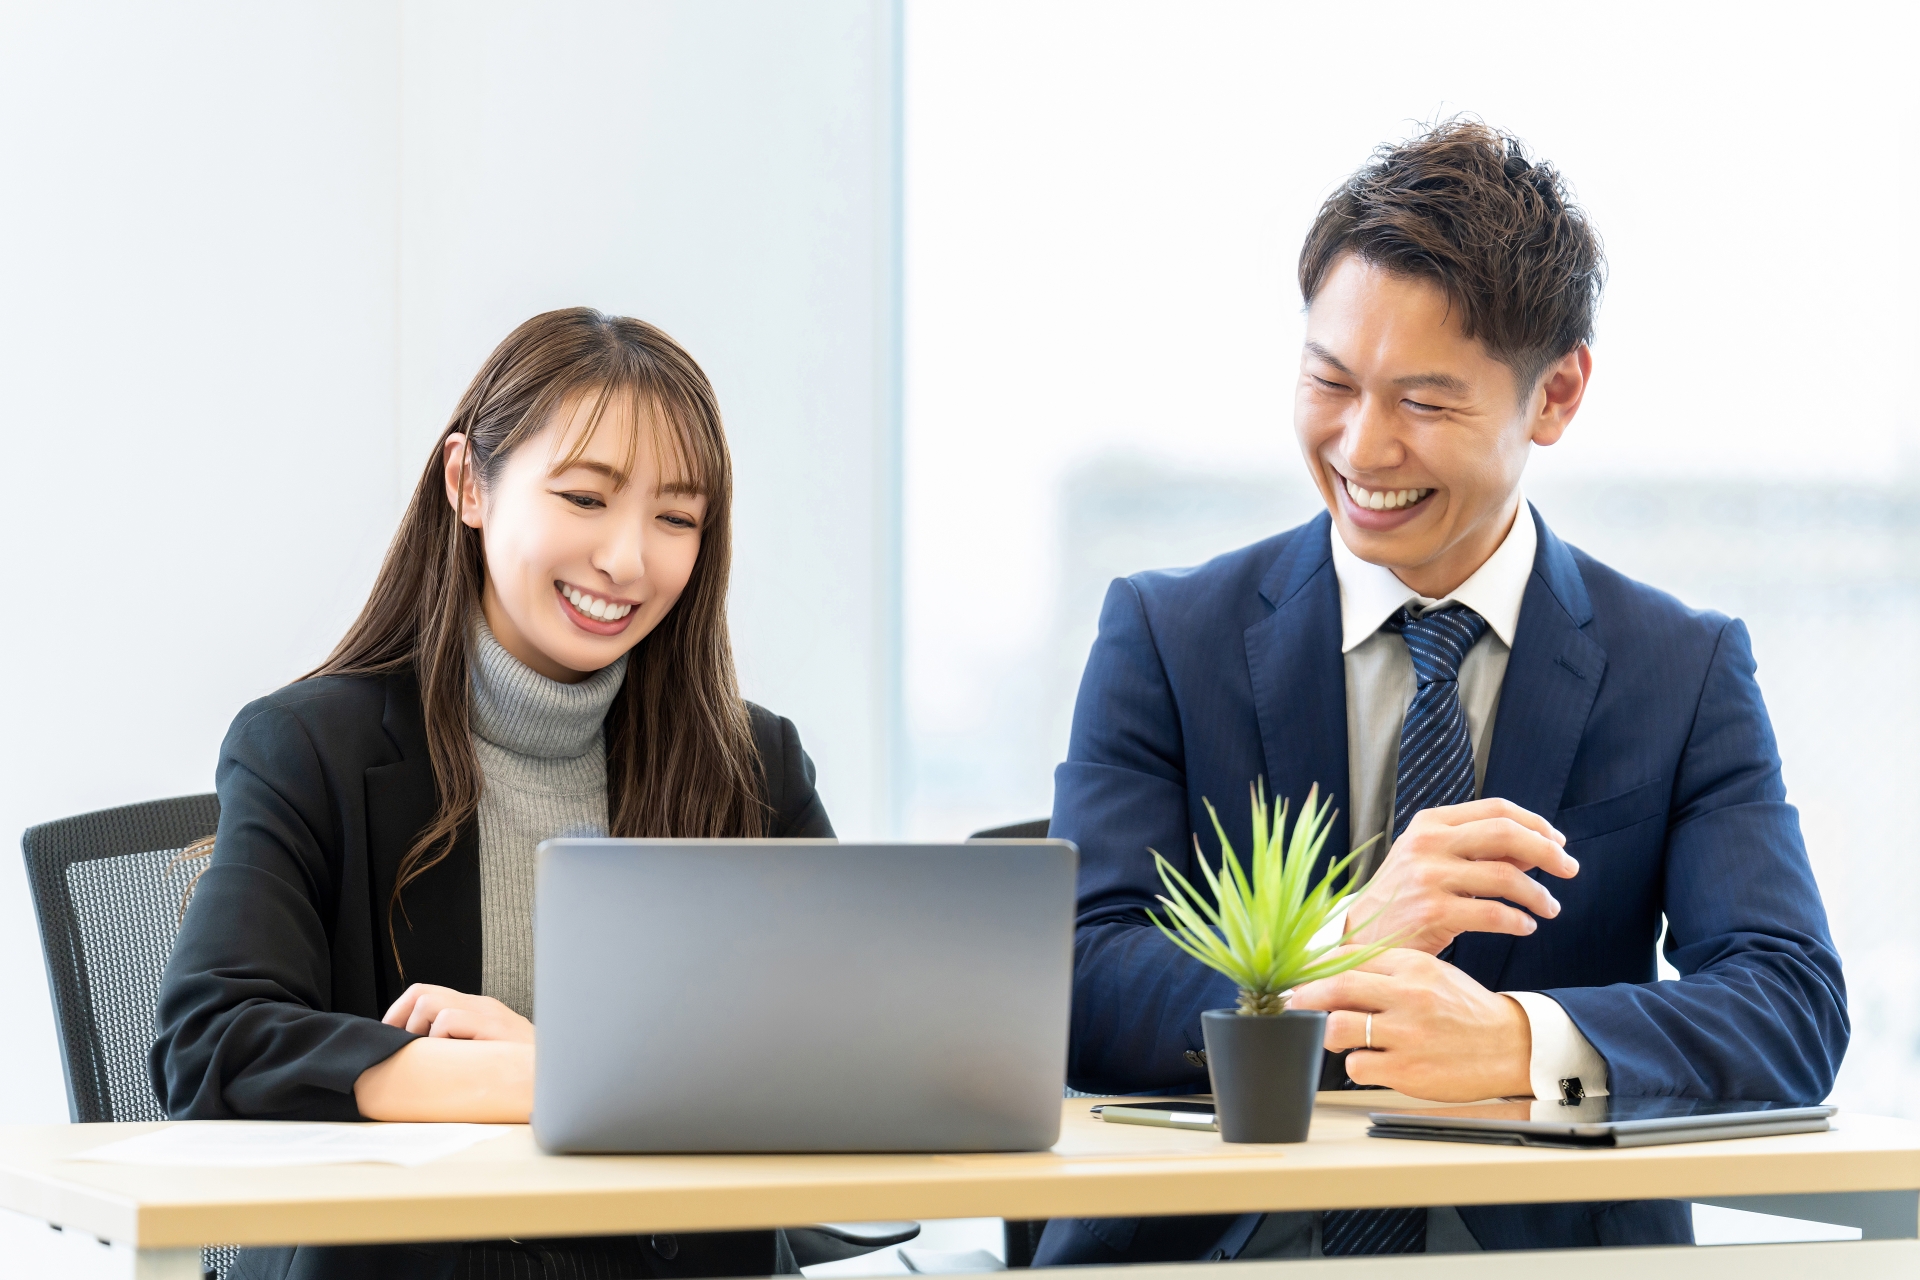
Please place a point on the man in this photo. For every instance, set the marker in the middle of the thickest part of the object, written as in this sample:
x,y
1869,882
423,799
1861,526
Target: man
x,y
1555,757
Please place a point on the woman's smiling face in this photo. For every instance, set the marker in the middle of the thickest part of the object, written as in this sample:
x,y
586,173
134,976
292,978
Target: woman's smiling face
x,y
588,543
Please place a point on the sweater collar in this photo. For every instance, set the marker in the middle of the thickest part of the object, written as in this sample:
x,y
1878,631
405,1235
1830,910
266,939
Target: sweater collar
x,y
518,709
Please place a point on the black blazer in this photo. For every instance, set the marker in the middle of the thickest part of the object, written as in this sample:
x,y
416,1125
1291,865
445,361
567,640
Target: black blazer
x,y
271,1003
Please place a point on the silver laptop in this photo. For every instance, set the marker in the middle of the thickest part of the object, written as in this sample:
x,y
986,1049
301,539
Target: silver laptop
x,y
801,995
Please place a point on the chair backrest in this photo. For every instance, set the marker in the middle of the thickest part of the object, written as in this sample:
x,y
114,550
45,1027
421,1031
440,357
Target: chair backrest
x,y
109,888
1034,830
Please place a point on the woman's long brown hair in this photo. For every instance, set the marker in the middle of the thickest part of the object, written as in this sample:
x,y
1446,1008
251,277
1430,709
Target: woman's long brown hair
x,y
680,753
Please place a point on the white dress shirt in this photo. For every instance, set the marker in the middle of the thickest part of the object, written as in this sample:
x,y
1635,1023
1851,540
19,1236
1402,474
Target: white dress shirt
x,y
1380,687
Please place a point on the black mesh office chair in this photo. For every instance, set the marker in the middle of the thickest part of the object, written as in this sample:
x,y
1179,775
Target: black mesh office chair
x,y
109,889
1034,830
1023,1236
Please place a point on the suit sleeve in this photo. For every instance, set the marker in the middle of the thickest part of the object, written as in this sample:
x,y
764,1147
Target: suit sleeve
x,y
245,1029
1137,999
798,813
1760,1009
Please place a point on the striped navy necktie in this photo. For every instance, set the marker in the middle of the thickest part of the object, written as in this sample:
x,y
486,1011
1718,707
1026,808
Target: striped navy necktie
x,y
1436,752
1436,768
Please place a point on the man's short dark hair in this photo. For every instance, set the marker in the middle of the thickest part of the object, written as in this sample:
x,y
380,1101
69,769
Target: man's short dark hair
x,y
1463,206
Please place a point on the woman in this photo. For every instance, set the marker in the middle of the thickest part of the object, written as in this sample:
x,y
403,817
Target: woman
x,y
544,653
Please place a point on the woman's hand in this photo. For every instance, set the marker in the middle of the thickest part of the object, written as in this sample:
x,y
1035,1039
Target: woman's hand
x,y
476,1063
443,1013
478,1081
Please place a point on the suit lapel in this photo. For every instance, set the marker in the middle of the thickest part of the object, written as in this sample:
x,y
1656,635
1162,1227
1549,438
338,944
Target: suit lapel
x,y
1300,678
437,925
1553,676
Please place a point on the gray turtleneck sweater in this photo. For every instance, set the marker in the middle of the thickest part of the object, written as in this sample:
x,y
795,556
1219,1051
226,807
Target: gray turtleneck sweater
x,y
543,758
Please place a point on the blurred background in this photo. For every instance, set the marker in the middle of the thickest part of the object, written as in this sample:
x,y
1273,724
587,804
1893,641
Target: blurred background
x,y
999,302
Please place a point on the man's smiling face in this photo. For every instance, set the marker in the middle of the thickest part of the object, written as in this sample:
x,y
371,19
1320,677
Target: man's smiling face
x,y
1415,433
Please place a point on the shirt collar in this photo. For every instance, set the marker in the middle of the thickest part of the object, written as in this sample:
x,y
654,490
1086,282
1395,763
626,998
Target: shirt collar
x,y
1370,593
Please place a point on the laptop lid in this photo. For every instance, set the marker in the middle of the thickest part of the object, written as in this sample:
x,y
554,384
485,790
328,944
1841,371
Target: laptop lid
x,y
801,995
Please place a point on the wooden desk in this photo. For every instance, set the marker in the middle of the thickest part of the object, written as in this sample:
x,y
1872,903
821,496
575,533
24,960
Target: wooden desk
x,y
506,1187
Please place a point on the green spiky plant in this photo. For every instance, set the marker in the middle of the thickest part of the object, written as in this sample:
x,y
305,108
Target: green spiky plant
x,y
1260,929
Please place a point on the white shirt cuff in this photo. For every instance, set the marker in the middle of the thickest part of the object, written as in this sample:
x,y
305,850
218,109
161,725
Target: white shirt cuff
x,y
1560,1052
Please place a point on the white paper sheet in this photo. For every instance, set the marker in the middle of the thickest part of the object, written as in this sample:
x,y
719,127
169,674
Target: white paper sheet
x,y
950,1262
242,1144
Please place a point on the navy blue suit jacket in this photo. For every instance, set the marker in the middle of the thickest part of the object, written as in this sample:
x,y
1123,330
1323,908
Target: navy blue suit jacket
x,y
1630,721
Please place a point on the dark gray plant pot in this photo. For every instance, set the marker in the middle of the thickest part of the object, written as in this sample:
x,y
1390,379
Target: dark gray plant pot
x,y
1264,1072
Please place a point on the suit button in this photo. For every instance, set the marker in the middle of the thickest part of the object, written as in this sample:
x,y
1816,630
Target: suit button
x,y
667,1247
1218,1255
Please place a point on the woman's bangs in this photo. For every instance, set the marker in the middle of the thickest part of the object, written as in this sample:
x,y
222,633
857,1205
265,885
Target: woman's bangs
x,y
680,448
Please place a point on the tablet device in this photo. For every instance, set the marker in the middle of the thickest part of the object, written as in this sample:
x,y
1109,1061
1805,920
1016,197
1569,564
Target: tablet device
x,y
1599,1122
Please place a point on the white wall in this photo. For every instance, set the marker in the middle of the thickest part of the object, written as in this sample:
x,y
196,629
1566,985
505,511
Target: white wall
x,y
250,255
197,302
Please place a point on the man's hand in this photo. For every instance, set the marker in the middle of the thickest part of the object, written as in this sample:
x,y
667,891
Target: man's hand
x,y
442,1012
1442,875
1437,1034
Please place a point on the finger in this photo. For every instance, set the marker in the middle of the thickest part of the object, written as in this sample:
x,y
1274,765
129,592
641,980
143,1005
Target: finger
x,y
1348,1030
426,1008
1502,880
398,1012
1485,915
457,1024
1383,962
1494,839
1369,1066
1454,815
1487,839
1354,989
1394,962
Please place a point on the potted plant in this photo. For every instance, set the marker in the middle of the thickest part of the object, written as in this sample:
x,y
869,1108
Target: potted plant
x,y
1259,930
